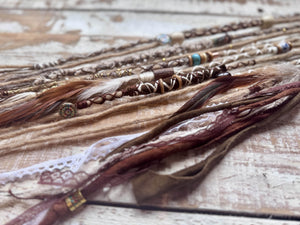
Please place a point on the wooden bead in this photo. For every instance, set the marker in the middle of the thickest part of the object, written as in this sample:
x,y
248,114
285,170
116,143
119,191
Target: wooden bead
x,y
209,56
267,22
190,60
177,38
203,57
108,97
163,73
119,94
97,100
226,39
83,104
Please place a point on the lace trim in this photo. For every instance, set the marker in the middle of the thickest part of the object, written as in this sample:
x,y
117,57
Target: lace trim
x,y
71,164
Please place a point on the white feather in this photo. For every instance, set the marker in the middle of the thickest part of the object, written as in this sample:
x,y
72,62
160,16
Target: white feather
x,y
106,87
21,96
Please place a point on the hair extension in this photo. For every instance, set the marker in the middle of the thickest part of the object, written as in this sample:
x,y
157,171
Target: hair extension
x,y
129,105
67,137
251,94
145,186
124,162
287,31
43,104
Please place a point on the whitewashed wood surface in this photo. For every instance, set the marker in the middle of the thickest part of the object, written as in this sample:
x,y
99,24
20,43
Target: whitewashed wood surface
x,y
260,175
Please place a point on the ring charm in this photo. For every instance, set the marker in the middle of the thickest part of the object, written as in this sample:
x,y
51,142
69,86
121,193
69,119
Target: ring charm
x,y
67,110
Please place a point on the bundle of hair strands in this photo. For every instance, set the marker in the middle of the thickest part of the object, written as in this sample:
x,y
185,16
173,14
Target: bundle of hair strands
x,y
98,125
55,212
42,105
41,143
74,91
60,133
112,83
49,101
275,70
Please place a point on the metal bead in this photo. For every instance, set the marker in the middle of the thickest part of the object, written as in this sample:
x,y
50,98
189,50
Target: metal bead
x,y
67,110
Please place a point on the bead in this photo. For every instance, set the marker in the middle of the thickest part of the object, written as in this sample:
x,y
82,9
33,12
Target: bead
x,y
190,60
226,39
284,47
75,200
4,93
164,39
210,56
118,94
273,50
163,64
196,59
267,22
203,57
172,64
83,104
178,78
161,85
108,97
163,73
67,110
177,38
97,100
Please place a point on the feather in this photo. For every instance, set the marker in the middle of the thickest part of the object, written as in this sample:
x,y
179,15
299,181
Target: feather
x,y
43,104
21,96
106,87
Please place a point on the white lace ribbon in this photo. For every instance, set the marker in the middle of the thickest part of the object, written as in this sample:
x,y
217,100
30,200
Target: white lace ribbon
x,y
73,163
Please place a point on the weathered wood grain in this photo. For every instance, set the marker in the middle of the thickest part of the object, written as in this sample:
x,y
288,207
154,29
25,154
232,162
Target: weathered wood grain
x,y
118,216
30,36
215,7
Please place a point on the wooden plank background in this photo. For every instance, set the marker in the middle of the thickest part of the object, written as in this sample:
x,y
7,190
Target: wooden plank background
x,y
260,175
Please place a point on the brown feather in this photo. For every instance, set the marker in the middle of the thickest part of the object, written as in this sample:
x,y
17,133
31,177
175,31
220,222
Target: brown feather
x,y
45,103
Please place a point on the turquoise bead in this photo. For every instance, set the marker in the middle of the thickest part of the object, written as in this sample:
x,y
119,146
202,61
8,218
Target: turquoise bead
x,y
196,59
